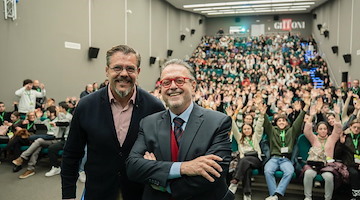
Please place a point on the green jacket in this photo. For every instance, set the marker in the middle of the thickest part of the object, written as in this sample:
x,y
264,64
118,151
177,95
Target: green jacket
x,y
292,133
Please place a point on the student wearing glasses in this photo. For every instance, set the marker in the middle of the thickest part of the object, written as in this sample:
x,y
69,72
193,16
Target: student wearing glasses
x,y
350,154
107,121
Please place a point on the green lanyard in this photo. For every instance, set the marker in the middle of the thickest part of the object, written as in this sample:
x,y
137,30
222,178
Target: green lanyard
x,y
282,137
28,126
322,144
355,142
355,90
16,121
28,94
250,142
2,116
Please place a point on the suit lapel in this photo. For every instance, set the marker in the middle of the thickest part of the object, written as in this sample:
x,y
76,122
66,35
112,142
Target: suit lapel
x,y
163,135
192,128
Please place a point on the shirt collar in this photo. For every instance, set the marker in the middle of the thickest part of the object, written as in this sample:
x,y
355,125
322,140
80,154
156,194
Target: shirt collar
x,y
112,98
185,115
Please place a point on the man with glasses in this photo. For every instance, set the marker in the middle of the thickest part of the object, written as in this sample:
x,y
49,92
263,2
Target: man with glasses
x,y
183,152
108,123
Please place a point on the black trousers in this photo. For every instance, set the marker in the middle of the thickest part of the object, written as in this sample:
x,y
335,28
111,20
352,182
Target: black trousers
x,y
53,153
15,144
243,171
354,175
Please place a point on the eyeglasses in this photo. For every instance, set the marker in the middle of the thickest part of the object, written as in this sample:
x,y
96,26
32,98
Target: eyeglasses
x,y
119,69
179,81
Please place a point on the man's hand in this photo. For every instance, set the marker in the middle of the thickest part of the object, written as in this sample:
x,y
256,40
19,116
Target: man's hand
x,y
149,156
203,166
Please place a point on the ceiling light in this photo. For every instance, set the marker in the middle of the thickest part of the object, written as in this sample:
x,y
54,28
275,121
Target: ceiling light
x,y
294,9
208,11
215,8
300,6
240,3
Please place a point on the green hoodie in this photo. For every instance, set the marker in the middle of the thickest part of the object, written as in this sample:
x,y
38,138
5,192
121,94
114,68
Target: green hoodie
x,y
291,134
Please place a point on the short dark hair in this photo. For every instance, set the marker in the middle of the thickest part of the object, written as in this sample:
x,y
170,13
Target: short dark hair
x,y
27,81
64,105
125,50
283,116
51,109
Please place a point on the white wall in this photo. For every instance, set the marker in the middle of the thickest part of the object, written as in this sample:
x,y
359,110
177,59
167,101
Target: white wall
x,y
341,18
33,45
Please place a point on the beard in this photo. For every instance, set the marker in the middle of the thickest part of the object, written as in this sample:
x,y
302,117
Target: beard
x,y
173,104
125,93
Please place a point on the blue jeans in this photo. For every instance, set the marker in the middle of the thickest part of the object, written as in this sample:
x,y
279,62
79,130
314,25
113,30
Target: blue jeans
x,y
83,161
274,164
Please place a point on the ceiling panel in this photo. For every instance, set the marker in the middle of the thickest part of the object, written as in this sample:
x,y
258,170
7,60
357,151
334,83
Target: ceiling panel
x,y
218,8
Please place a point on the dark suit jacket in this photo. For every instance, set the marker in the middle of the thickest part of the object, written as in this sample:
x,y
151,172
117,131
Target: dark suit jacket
x,y
93,125
206,133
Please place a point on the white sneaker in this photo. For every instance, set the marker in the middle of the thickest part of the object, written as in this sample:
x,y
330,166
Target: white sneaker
x,y
307,198
272,198
247,197
82,176
317,184
53,171
233,187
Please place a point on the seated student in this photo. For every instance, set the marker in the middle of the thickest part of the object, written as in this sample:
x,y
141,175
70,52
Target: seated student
x,y
350,154
56,147
49,122
16,142
4,116
322,151
20,139
29,122
249,154
33,151
282,139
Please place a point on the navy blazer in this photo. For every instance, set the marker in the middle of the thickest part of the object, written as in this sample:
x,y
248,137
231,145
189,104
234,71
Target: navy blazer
x,y
93,125
206,133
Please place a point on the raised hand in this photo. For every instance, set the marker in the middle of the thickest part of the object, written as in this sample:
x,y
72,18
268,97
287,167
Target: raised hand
x,y
262,108
319,104
336,109
307,101
357,104
240,103
229,111
313,110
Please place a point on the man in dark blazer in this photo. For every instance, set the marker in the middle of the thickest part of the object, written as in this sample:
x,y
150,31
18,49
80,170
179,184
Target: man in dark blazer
x,y
107,121
183,152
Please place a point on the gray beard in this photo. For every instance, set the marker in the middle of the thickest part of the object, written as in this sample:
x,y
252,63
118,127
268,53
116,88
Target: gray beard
x,y
123,94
